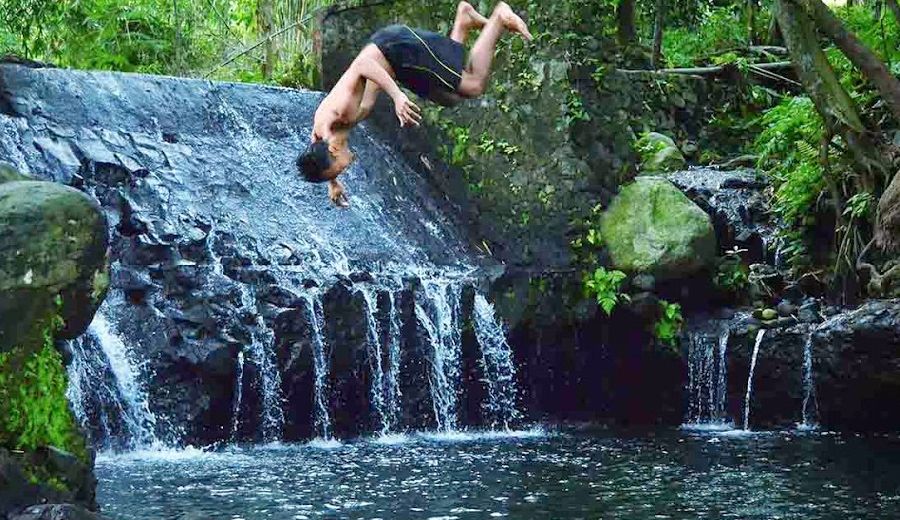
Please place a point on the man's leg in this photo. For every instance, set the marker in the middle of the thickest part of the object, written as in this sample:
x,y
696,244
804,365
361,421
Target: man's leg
x,y
475,77
467,18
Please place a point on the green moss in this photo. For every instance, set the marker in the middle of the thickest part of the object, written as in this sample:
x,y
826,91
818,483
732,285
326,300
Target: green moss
x,y
34,411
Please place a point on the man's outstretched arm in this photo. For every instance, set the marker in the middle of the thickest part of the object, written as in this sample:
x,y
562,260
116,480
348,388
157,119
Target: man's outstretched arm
x,y
368,100
406,110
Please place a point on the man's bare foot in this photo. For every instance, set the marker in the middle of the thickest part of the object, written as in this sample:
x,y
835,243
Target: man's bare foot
x,y
512,21
475,19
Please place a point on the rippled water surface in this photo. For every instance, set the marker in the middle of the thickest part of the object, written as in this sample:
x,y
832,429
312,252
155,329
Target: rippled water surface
x,y
606,474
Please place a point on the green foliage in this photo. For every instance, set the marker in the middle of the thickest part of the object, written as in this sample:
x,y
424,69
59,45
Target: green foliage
x,y
160,36
605,287
670,323
732,274
788,149
718,29
34,411
574,111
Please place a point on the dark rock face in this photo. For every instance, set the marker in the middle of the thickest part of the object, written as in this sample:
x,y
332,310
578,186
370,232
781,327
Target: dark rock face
x,y
857,367
55,512
854,366
736,202
24,482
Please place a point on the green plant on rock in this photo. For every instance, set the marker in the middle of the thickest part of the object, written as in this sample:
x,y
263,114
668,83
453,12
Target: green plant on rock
x,y
34,411
668,327
732,274
605,286
574,111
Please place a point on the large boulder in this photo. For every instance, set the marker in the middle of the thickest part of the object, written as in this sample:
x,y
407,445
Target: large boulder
x,y
659,153
651,227
53,244
53,265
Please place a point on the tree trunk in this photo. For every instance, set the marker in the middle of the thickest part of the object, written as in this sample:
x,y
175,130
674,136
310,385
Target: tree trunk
x,y
832,102
658,33
625,22
894,6
887,220
860,55
264,24
751,20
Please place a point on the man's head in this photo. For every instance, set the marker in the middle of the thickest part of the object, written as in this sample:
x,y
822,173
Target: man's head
x,y
324,161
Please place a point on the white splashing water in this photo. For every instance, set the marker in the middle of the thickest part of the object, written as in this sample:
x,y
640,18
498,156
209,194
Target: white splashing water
x,y
438,313
759,338
376,368
707,380
121,404
262,354
392,377
497,365
808,385
238,397
321,365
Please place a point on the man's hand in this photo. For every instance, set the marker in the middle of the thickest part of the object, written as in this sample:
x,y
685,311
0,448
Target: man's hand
x,y
336,194
407,111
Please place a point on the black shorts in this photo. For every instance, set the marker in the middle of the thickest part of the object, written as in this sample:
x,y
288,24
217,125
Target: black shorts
x,y
427,63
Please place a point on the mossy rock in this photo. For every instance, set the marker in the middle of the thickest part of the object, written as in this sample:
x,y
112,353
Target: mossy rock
x,y
659,153
9,174
53,259
651,227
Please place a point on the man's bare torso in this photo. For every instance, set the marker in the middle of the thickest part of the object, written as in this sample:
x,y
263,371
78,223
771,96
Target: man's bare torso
x,y
343,107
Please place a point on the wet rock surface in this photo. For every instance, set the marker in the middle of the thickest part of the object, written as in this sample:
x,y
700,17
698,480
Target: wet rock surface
x,y
855,360
736,202
216,240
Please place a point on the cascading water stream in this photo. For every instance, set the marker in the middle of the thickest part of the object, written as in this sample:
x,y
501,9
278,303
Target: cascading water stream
x,y
442,332
759,338
105,386
808,384
392,377
376,359
261,352
238,397
321,366
707,379
497,365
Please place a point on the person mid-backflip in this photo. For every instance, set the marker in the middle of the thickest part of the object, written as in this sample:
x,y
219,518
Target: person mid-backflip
x,y
429,64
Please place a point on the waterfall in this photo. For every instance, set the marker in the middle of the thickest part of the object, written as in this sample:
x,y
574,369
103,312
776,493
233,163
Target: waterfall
x,y
439,316
707,378
759,338
261,351
105,388
808,383
262,354
497,365
722,380
392,379
322,366
376,368
238,397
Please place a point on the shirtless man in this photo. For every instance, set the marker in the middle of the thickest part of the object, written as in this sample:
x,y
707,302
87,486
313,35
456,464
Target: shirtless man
x,y
429,64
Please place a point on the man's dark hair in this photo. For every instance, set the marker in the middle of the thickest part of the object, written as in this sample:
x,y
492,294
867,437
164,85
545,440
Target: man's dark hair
x,y
314,161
